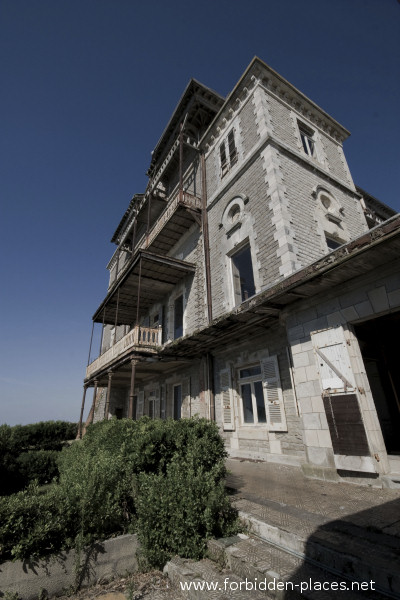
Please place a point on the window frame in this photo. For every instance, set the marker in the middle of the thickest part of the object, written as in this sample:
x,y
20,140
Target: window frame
x,y
307,138
174,387
251,380
180,328
236,278
228,152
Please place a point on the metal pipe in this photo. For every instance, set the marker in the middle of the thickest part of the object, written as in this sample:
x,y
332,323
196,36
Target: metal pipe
x,y
206,239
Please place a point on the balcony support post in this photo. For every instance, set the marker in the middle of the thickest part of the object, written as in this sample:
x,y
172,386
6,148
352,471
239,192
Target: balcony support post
x,y
116,317
102,330
132,408
138,294
148,220
181,162
90,345
79,434
110,374
134,234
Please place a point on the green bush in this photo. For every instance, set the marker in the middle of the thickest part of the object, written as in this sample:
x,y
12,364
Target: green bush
x,y
45,435
179,510
163,479
39,465
31,523
27,452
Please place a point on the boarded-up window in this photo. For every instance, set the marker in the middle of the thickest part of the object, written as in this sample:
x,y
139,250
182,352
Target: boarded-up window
x,y
345,425
228,422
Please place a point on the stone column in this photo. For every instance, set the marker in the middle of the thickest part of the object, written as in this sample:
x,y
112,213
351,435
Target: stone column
x,y
110,374
134,362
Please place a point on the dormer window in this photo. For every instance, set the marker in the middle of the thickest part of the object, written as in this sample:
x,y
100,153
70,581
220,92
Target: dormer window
x,y
228,153
307,139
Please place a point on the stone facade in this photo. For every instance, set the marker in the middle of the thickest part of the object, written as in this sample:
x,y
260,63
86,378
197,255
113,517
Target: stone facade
x,y
218,304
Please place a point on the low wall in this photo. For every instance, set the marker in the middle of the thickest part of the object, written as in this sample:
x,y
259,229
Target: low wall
x,y
52,576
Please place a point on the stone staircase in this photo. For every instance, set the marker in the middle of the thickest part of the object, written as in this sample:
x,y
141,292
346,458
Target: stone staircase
x,y
290,554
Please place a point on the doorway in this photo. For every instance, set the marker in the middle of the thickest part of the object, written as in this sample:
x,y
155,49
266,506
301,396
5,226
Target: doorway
x,y
379,341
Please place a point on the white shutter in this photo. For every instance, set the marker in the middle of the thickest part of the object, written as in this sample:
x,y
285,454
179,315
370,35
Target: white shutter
x,y
140,405
157,404
163,407
276,417
330,347
228,420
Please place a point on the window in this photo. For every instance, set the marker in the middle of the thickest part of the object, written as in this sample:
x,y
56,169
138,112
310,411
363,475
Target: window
x,y
307,139
178,317
243,278
251,392
177,401
332,244
261,398
228,153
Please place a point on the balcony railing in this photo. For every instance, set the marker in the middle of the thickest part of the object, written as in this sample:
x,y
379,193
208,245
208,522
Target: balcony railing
x,y
140,338
187,200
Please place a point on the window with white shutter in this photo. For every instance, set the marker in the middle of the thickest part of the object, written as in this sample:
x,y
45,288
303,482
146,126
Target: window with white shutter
x,y
261,395
275,408
228,421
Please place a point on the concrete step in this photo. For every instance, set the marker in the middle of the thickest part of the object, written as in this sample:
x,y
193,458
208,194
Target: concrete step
x,y
282,574
197,580
245,567
340,548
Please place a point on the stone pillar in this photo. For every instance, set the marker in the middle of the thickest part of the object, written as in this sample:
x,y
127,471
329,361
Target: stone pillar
x,y
79,434
110,374
134,362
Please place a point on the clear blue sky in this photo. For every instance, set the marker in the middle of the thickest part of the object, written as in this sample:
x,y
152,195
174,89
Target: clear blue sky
x,y
87,89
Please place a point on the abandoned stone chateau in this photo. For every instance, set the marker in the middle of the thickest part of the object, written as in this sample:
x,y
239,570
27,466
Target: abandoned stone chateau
x,y
254,284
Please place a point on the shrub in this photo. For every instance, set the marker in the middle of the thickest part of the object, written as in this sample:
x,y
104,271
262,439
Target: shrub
x,y
31,523
162,478
179,510
40,465
45,435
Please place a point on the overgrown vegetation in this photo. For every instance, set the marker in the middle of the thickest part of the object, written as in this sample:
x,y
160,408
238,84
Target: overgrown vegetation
x,y
163,479
30,452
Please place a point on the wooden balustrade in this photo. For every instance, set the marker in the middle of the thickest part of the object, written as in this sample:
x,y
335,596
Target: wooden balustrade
x,y
139,337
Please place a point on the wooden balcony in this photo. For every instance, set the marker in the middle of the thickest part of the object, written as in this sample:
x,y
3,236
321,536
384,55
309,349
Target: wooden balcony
x,y
180,213
141,339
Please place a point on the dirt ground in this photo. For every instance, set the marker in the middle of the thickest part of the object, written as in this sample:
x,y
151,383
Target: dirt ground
x,y
146,586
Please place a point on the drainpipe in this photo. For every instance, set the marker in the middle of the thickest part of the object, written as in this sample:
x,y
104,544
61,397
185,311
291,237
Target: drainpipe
x,y
210,384
206,241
